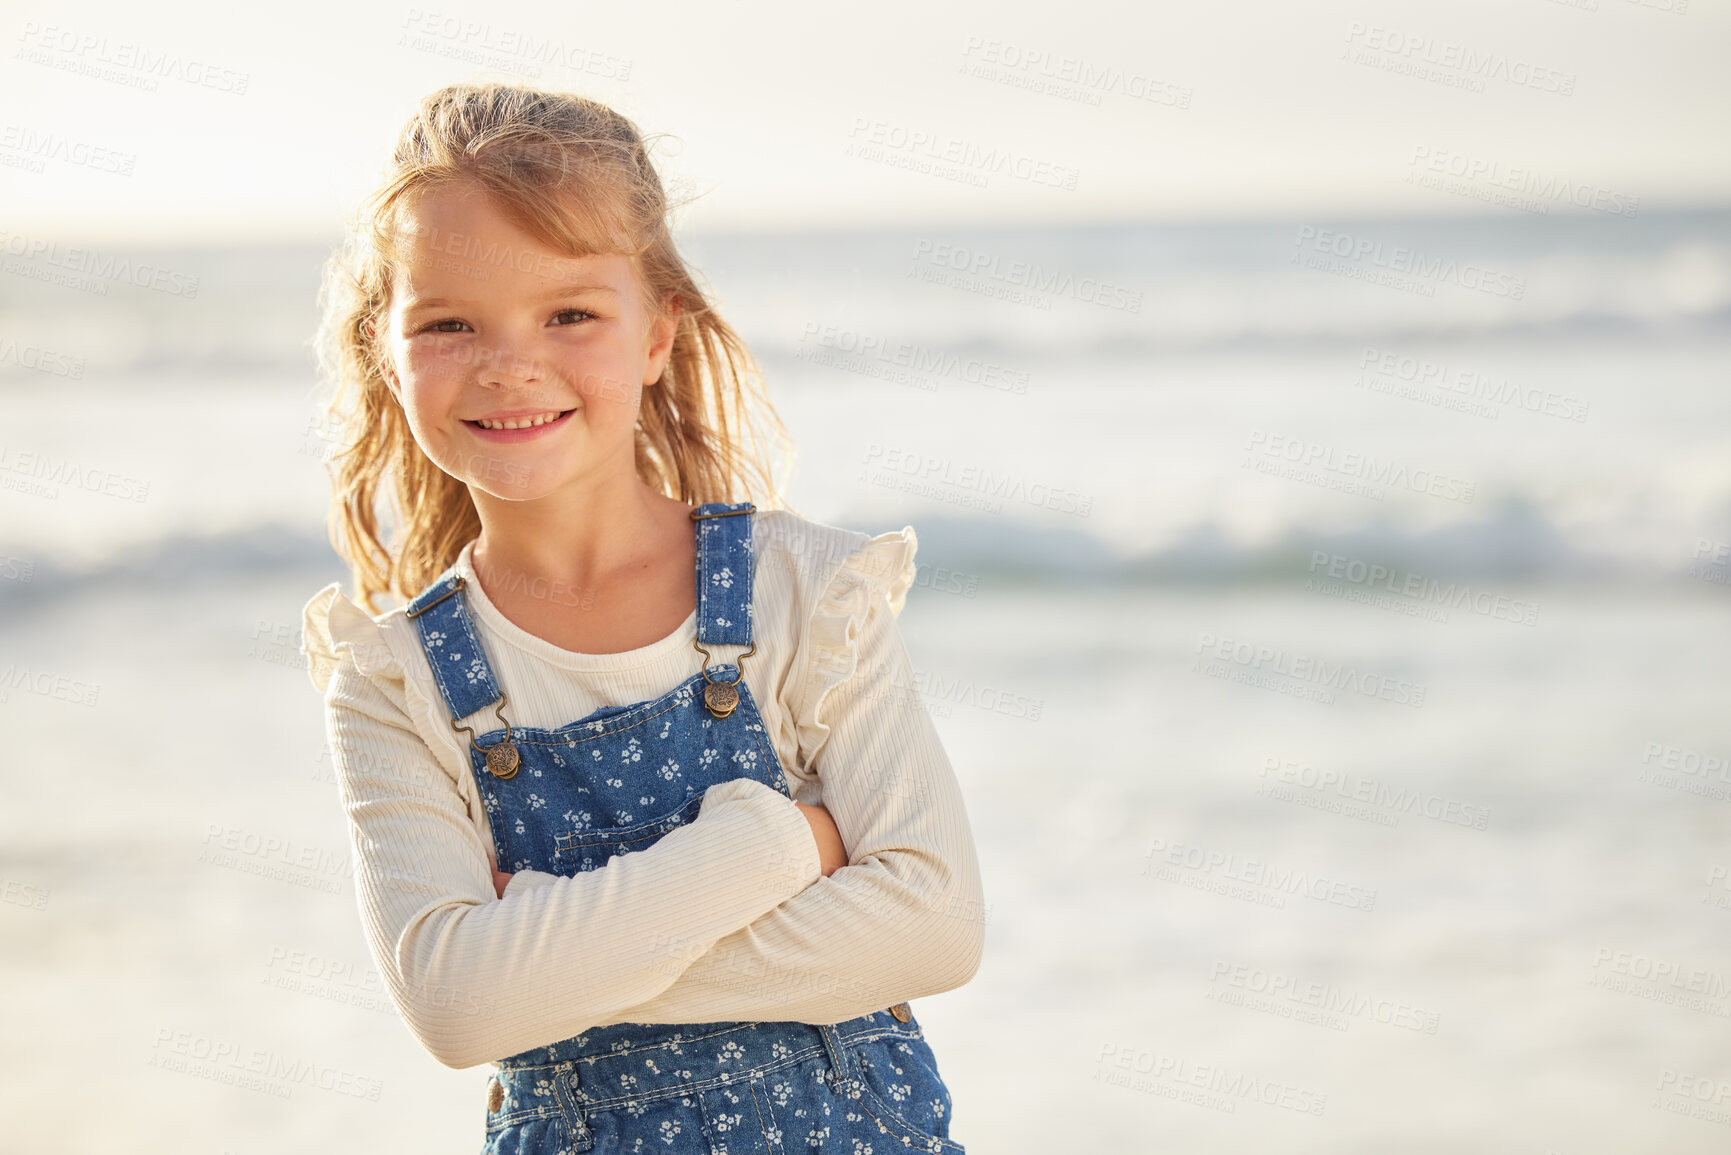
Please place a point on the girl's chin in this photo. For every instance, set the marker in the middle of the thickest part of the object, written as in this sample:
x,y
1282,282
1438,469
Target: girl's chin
x,y
522,476
505,491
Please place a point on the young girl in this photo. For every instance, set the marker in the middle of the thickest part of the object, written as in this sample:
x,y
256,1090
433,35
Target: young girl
x,y
644,805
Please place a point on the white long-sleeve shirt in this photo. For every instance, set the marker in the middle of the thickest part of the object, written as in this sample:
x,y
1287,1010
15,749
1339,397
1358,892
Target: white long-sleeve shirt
x,y
726,918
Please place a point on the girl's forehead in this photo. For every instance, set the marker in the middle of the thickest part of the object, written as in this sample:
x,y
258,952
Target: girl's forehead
x,y
459,231
469,268
451,200
586,220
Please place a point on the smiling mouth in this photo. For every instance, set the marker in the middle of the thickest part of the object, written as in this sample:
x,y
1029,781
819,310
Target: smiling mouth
x,y
528,422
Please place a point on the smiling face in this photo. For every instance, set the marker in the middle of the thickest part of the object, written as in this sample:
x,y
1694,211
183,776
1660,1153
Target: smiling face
x,y
519,368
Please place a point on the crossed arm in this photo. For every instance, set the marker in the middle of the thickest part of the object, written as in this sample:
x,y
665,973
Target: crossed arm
x,y
823,832
902,919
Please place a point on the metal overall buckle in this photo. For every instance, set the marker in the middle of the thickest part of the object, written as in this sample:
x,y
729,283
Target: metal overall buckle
x,y
502,756
722,698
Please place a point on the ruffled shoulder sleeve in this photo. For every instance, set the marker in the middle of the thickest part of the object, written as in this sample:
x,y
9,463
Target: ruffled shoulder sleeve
x,y
332,626
877,575
331,623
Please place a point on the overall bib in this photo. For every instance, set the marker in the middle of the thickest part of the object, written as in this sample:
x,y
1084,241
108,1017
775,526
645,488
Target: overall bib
x,y
568,800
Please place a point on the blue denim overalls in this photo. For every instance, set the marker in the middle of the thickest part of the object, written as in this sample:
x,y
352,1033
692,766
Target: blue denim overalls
x,y
568,800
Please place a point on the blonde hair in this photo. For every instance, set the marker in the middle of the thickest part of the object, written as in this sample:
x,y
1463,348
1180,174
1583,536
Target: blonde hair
x,y
577,176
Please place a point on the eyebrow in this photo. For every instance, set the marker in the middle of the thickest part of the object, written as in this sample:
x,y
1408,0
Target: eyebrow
x,y
561,291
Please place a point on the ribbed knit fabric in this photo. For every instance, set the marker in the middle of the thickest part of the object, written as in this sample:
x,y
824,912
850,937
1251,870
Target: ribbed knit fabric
x,y
726,918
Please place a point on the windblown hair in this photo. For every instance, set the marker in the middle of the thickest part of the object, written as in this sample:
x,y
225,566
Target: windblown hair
x,y
577,176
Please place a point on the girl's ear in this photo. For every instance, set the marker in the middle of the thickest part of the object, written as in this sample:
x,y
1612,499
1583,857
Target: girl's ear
x,y
662,330
382,355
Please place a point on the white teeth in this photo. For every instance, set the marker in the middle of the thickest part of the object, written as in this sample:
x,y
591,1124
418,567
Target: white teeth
x,y
517,422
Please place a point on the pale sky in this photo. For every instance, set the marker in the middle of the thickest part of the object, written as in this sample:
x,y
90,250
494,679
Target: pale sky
x,y
1169,111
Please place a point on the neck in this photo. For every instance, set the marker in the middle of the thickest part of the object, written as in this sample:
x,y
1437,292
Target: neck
x,y
580,534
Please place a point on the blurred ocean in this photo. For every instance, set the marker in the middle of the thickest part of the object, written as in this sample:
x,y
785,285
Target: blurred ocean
x,y
1326,620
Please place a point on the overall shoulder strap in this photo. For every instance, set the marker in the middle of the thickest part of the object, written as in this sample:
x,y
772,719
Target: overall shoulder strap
x,y
724,573
441,614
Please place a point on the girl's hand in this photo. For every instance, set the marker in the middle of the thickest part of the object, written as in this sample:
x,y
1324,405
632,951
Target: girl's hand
x,y
500,878
831,853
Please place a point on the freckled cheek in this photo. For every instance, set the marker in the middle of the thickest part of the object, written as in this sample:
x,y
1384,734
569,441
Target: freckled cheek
x,y
435,364
606,384
432,383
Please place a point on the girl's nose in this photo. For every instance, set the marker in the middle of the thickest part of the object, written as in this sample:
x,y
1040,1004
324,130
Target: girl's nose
x,y
499,365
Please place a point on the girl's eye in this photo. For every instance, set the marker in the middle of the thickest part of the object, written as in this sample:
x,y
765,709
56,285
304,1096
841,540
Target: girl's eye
x,y
573,314
438,326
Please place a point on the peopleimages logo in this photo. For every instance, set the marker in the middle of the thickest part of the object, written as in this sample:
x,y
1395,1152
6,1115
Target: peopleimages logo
x,y
1661,980
938,153
876,355
1518,186
1680,768
1385,371
975,265
254,1068
1261,664
1240,984
1685,1094
97,266
1399,266
122,61
49,685
1337,790
38,146
1168,860
1366,581
1346,470
51,471
519,50
1065,77
1201,1084
1445,61
966,484
41,359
